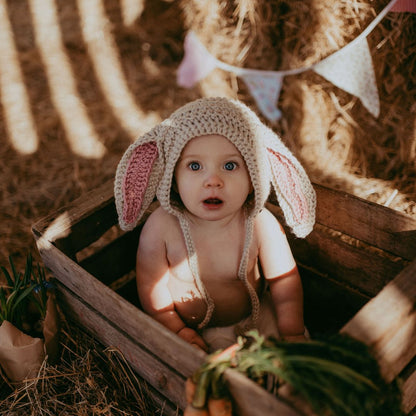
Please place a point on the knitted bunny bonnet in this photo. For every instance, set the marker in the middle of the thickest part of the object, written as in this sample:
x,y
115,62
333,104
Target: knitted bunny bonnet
x,y
147,167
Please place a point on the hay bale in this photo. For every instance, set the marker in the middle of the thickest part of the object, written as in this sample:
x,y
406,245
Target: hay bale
x,y
337,139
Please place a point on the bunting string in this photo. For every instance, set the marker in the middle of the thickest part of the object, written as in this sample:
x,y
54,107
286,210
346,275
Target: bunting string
x,y
350,69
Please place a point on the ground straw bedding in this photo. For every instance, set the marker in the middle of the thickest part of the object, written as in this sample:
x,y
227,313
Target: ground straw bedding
x,y
88,380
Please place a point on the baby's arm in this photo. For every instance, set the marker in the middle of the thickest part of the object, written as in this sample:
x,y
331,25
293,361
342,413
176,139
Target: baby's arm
x,y
152,274
279,268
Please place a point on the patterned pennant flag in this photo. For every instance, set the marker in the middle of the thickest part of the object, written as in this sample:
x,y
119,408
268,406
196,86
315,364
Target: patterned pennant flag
x,y
196,64
265,89
351,69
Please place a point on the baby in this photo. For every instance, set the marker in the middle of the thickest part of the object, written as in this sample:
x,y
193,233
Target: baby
x,y
212,261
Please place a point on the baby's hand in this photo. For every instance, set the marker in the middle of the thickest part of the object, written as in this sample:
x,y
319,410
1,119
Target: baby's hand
x,y
191,336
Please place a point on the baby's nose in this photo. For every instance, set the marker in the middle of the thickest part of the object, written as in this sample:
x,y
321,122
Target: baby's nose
x,y
213,180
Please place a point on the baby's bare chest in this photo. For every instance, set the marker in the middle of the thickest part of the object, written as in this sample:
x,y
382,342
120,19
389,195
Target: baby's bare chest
x,y
218,264
215,259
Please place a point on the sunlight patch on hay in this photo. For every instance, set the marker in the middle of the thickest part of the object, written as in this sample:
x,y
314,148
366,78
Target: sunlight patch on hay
x,y
80,132
131,10
107,66
14,97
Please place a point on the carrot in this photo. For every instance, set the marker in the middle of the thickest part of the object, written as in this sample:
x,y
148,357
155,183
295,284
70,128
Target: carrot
x,y
227,354
195,411
199,399
190,388
220,407
208,381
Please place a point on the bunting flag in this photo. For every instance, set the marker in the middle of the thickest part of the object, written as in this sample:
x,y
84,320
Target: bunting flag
x,y
196,64
350,69
265,90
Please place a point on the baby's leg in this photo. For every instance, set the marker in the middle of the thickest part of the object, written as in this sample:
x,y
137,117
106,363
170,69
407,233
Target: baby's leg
x,y
222,337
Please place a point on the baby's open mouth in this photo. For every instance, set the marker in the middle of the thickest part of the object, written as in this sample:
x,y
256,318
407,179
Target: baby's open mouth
x,y
213,201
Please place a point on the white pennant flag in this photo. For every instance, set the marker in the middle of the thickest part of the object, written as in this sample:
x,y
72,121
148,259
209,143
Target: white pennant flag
x,y
351,69
196,64
265,89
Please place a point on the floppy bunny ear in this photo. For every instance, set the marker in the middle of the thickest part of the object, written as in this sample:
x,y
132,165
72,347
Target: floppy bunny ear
x,y
293,190
137,177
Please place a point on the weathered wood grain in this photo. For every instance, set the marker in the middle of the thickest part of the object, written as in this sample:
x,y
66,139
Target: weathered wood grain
x,y
364,269
162,377
80,223
388,323
253,400
379,226
141,327
409,392
352,273
250,399
115,259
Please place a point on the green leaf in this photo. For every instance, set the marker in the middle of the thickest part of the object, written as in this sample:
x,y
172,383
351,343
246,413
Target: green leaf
x,y
16,276
28,270
23,295
8,277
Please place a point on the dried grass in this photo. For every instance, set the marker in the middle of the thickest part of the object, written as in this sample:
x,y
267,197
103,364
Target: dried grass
x,y
88,380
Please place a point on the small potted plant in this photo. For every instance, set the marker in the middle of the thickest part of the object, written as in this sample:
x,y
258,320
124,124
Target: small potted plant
x,y
29,321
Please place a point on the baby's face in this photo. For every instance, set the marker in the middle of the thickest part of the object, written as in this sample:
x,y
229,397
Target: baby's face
x,y
212,178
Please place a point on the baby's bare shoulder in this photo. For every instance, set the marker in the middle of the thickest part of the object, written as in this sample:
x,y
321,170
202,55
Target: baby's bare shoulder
x,y
159,223
159,217
160,233
265,217
266,223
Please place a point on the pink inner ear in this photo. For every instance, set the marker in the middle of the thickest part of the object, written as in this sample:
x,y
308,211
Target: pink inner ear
x,y
136,179
289,183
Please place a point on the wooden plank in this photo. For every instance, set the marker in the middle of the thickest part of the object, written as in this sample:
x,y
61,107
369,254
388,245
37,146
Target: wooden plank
x,y
408,387
365,269
129,292
375,224
153,336
388,323
115,259
328,304
409,393
250,398
80,223
253,400
362,269
163,378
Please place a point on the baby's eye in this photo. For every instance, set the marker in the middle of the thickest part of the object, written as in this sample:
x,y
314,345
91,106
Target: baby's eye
x,y
194,166
230,166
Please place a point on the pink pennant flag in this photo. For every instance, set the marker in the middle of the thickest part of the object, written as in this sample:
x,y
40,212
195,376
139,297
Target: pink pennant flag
x,y
196,64
265,89
351,69
404,6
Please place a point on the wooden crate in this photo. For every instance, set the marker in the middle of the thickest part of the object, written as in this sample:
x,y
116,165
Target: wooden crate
x,y
358,269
